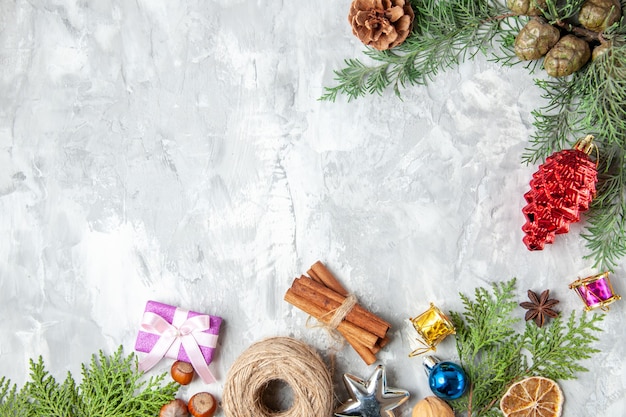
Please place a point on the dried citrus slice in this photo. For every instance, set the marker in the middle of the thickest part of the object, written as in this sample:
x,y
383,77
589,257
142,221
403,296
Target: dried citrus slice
x,y
535,396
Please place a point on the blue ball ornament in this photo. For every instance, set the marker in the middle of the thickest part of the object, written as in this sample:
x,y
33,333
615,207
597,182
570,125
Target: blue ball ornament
x,y
447,380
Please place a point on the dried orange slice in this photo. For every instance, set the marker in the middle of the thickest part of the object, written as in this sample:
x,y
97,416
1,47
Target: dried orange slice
x,y
535,396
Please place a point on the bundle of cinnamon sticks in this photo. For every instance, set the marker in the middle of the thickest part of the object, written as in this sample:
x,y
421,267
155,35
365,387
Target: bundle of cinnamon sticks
x,y
320,295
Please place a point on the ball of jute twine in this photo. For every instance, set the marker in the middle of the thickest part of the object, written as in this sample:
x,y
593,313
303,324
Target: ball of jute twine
x,y
278,359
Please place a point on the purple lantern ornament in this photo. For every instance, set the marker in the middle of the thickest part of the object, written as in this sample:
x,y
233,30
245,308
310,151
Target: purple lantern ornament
x,y
596,291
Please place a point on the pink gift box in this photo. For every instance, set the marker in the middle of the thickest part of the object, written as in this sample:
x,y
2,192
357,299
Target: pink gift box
x,y
146,341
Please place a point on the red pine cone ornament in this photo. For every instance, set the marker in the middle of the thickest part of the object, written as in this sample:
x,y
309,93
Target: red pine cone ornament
x,y
560,190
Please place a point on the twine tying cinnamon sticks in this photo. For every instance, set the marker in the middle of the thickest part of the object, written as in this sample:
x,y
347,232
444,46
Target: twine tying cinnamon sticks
x,y
342,311
320,295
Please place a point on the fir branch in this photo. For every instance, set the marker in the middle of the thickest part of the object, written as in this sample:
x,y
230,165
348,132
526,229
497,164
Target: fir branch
x,y
494,355
606,230
509,28
111,386
602,92
357,80
446,33
557,122
559,11
606,236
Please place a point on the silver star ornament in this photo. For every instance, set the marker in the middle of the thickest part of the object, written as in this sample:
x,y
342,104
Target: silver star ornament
x,y
371,398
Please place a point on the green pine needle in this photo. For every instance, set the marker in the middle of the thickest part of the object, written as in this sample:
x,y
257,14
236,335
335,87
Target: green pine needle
x,y
446,33
111,386
556,122
559,11
606,232
494,355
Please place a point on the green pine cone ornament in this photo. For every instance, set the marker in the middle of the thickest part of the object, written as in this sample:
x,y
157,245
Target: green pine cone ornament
x,y
526,7
566,57
598,15
535,39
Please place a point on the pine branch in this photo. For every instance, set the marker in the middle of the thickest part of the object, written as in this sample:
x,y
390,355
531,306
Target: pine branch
x,y
591,101
603,97
605,237
602,92
507,32
559,11
555,123
357,80
606,230
446,33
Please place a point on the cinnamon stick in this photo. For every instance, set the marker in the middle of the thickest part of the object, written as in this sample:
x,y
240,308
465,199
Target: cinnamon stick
x,y
339,298
327,292
383,342
311,273
368,355
323,276
328,279
347,329
329,300
320,295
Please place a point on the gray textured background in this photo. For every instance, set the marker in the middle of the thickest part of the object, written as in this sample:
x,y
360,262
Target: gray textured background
x,y
176,150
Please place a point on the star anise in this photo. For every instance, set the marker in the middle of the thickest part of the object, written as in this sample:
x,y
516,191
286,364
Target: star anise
x,y
539,307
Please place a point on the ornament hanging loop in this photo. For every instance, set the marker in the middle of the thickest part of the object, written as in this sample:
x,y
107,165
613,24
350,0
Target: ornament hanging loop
x,y
587,146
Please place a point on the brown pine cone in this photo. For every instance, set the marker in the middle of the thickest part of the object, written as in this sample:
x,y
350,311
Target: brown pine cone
x,y
597,15
567,56
381,24
535,39
526,7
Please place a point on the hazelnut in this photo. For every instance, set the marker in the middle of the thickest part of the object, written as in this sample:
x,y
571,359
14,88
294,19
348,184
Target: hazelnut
x,y
432,407
202,404
182,372
175,408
